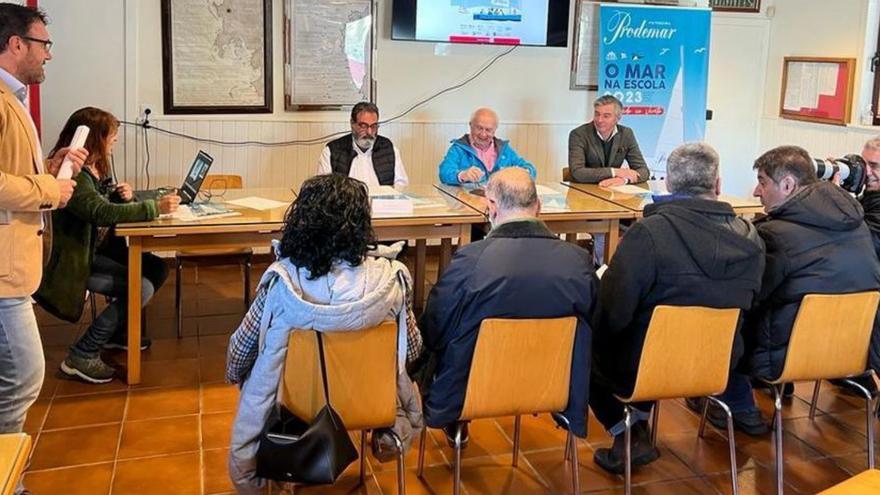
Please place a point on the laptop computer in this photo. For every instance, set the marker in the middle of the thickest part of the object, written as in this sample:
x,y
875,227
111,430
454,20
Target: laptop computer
x,y
191,184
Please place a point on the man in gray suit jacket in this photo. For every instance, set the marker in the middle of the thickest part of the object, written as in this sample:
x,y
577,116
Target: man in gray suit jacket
x,y
597,150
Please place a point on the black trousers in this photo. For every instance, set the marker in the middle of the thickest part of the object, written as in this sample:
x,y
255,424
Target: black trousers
x,y
606,407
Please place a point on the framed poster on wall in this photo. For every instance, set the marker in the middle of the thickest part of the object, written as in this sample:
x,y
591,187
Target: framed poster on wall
x,y
217,57
817,89
328,53
585,46
735,5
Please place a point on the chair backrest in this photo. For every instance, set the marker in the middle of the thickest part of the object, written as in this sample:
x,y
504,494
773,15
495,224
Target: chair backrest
x,y
686,353
361,375
566,174
14,451
222,182
830,336
520,367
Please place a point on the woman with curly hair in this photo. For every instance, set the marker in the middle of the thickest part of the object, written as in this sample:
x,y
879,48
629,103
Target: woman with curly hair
x,y
329,277
87,256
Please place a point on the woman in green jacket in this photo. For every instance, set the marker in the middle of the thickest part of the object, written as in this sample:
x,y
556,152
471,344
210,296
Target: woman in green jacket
x,y
87,256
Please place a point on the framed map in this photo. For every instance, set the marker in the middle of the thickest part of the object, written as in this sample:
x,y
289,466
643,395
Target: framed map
x,y
217,56
328,53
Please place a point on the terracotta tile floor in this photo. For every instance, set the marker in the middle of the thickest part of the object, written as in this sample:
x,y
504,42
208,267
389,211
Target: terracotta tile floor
x,y
171,433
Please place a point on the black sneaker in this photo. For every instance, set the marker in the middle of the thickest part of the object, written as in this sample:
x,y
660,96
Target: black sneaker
x,y
751,422
122,344
449,430
846,389
787,388
91,370
612,460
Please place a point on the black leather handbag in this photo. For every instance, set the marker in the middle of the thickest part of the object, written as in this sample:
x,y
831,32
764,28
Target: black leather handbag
x,y
292,450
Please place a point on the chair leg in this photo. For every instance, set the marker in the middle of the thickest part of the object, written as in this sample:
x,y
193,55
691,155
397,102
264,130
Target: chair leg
x,y
178,308
869,419
363,455
655,423
705,413
575,475
567,448
517,423
93,303
401,468
627,440
247,283
456,487
731,442
777,435
423,437
815,402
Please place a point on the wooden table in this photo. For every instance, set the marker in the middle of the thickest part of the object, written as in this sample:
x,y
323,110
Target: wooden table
x,y
637,202
564,210
14,451
434,217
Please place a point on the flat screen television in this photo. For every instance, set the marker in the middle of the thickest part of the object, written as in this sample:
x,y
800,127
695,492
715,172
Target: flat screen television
x,y
491,22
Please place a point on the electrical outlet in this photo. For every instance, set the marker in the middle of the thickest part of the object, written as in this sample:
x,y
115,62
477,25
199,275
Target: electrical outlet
x,y
145,109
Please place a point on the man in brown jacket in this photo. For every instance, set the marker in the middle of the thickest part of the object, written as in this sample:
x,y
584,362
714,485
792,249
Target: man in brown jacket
x,y
28,188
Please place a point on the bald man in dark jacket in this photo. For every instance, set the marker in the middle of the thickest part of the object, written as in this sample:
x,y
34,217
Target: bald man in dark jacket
x,y
520,270
689,250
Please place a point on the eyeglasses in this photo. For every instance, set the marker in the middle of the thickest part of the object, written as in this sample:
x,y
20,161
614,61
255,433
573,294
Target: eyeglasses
x,y
46,43
362,126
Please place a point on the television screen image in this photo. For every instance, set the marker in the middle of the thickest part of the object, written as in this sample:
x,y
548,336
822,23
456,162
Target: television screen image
x,y
495,22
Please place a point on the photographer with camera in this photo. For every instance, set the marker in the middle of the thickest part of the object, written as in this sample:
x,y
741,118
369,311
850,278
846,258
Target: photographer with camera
x,y
816,242
870,198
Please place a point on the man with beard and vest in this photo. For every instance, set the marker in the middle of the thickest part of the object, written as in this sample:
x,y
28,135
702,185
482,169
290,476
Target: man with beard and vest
x,y
364,154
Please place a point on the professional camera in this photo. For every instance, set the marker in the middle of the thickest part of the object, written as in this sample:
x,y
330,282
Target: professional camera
x,y
852,169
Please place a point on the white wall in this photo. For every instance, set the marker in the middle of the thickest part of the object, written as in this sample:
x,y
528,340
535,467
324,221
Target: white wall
x,y
824,29
529,88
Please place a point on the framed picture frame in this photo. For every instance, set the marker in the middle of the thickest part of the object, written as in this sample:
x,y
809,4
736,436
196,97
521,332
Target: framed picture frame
x,y
735,5
329,48
585,45
817,89
216,59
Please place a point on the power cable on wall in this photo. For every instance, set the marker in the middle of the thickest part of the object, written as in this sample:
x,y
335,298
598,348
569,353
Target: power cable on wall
x,y
299,142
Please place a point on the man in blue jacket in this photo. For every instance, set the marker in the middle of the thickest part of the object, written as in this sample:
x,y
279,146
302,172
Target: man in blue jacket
x,y
520,270
475,156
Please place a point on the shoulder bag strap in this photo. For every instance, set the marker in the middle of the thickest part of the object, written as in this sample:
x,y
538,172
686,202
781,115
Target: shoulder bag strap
x,y
323,368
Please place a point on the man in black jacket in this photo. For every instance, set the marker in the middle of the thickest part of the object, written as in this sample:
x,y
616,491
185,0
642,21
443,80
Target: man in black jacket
x,y
870,200
520,270
817,242
689,250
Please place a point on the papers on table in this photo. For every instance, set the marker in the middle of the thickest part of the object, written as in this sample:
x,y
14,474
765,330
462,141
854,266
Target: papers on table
x,y
388,201
395,206
202,211
545,191
257,203
383,191
658,187
630,189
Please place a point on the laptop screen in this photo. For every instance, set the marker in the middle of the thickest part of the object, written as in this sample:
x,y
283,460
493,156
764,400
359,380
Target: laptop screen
x,y
196,176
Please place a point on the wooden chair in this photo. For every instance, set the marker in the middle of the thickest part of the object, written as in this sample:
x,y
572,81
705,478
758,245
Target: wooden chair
x,y
362,379
14,451
216,184
829,339
861,484
519,367
686,354
566,174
